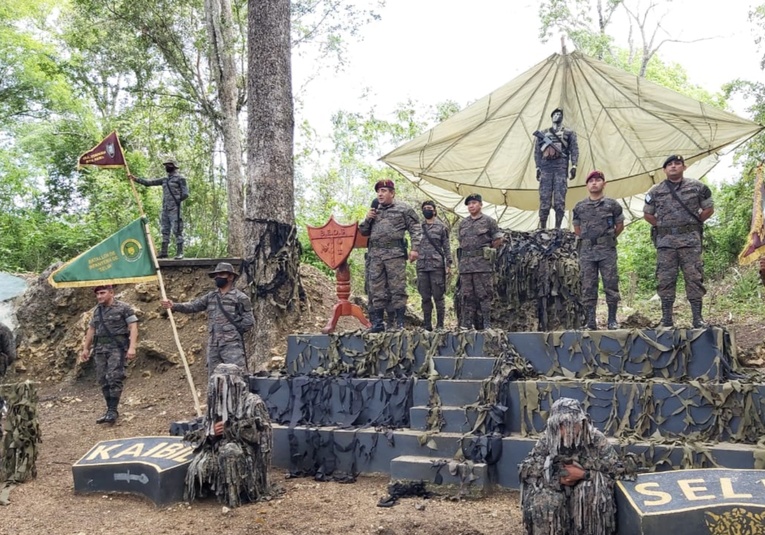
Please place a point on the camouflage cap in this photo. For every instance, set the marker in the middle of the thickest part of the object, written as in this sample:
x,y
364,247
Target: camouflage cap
x,y
170,160
223,267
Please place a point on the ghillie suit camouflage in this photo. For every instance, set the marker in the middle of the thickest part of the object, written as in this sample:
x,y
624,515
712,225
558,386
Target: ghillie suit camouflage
x,y
20,438
587,507
233,465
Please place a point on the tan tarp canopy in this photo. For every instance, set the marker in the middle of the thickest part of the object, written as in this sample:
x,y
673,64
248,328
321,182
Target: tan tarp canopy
x,y
626,127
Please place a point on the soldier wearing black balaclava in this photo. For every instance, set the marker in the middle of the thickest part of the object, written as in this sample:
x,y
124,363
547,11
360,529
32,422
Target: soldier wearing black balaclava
x,y
555,147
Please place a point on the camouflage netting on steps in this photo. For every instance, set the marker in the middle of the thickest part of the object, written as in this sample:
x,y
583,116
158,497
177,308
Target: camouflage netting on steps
x,y
21,436
538,287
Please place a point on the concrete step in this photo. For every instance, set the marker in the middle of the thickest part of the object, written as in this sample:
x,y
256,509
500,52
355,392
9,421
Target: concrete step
x,y
455,419
370,451
464,368
454,392
468,479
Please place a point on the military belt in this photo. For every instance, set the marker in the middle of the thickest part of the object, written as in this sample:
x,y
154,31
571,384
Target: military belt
x,y
603,240
474,252
110,340
685,229
385,244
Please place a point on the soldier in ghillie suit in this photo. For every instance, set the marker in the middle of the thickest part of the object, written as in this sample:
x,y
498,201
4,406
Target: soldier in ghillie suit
x,y
386,227
174,192
229,316
598,220
567,481
113,331
478,236
553,150
233,448
7,348
677,209
433,265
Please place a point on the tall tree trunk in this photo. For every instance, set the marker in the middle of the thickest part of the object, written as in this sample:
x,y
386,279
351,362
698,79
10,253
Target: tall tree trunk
x,y
272,249
220,29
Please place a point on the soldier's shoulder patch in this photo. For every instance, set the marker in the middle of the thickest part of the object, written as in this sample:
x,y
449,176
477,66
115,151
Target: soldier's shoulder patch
x,y
648,198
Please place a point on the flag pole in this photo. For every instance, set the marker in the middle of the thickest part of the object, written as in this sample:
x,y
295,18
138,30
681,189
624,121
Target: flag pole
x,y
197,407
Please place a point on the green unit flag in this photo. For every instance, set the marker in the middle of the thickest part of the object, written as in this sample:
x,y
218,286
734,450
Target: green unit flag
x,y
122,257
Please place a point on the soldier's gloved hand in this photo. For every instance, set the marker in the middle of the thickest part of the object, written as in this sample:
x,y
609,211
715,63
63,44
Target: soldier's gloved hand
x,y
572,174
539,174
131,176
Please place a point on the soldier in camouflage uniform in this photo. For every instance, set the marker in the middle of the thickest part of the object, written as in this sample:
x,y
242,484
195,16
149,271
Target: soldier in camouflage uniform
x,y
553,150
7,348
567,481
433,265
598,220
678,227
113,330
386,226
478,236
229,316
174,192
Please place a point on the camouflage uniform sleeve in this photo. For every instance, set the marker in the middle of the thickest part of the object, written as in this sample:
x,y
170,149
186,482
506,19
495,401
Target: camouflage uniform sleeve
x,y
606,460
447,247
495,232
197,305
705,197
365,227
184,187
537,151
573,148
247,319
618,212
150,182
414,228
128,314
576,219
531,470
649,207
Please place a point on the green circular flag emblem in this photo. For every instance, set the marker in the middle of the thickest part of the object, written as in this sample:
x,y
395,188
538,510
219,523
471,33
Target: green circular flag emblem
x,y
131,249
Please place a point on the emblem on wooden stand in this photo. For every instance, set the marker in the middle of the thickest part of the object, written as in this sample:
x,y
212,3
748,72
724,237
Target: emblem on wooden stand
x,y
333,243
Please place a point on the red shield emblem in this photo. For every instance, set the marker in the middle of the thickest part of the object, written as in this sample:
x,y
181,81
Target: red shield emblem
x,y
333,242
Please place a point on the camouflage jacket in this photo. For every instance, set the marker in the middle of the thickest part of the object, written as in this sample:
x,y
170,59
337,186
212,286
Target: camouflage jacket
x,y
7,343
430,258
556,155
597,219
540,469
386,232
236,303
174,189
474,235
670,215
115,318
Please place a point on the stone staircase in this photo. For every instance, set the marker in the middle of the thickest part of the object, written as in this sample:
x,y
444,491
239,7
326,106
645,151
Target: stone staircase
x,y
464,408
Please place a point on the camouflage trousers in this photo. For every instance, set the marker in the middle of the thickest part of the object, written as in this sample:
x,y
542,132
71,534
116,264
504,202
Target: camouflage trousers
x,y
589,270
110,369
554,512
669,261
387,283
170,221
553,186
432,286
476,293
228,352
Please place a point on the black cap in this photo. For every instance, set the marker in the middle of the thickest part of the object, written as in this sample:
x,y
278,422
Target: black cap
x,y
556,110
673,158
473,197
428,203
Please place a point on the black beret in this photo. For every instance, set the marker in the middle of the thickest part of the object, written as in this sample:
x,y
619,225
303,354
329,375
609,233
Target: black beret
x,y
473,197
673,158
556,110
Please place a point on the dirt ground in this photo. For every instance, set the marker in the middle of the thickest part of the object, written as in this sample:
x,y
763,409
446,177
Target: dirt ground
x,y
157,393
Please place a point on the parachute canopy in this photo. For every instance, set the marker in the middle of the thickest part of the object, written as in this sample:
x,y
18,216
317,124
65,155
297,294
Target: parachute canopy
x,y
626,127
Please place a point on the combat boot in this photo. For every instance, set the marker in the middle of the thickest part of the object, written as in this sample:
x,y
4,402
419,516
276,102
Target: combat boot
x,y
399,325
376,317
591,322
698,320
542,222
666,313
178,251
558,218
105,418
439,317
486,315
163,250
612,323
427,321
111,412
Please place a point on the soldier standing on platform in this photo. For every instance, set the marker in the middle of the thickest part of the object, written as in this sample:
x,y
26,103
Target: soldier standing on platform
x,y
553,150
229,316
478,236
386,226
174,192
113,330
677,209
598,220
433,265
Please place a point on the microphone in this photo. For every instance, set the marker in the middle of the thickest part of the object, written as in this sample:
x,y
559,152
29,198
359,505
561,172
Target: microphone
x,y
375,204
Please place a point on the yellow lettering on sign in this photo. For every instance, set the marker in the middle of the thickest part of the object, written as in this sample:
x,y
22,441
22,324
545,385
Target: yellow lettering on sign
x,y
135,450
690,492
727,489
102,452
155,449
663,497
172,449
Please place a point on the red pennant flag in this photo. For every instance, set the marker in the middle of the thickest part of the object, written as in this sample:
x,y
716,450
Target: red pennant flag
x,y
107,154
754,250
